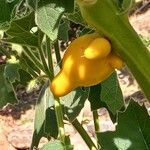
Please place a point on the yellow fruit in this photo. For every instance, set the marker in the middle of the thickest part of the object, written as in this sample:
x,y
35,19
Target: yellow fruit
x,y
87,61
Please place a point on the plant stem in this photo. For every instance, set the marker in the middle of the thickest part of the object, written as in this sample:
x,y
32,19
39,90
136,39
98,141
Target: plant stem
x,y
57,104
96,125
33,58
96,121
57,52
84,135
49,55
59,117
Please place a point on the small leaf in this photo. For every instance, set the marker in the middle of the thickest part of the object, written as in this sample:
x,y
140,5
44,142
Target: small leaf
x,y
111,94
11,69
20,32
132,130
45,123
55,145
47,16
74,102
7,94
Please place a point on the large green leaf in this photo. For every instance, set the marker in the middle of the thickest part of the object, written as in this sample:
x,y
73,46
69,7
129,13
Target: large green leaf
x,y
6,90
20,32
6,9
74,102
111,93
107,94
45,123
48,15
45,119
132,132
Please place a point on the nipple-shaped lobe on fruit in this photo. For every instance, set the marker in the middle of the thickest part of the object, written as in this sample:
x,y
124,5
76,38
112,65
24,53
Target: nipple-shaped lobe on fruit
x,y
115,61
61,85
98,48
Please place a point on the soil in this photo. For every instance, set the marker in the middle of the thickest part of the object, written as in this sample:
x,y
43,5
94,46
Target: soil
x,y
16,121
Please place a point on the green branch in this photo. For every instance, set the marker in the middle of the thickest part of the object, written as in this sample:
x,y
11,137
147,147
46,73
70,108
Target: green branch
x,y
49,56
59,116
57,53
57,104
84,135
96,121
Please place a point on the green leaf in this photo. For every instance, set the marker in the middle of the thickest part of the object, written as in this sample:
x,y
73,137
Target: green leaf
x,y
20,32
68,6
68,145
96,102
125,5
11,69
56,145
48,15
76,17
7,94
74,102
94,97
111,94
45,123
6,9
132,131
107,94
63,30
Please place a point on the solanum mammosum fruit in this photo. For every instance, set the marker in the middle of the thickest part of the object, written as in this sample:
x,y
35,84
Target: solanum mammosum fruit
x,y
88,61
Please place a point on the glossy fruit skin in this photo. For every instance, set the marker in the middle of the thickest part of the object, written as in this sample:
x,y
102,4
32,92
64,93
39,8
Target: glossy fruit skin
x,y
87,61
